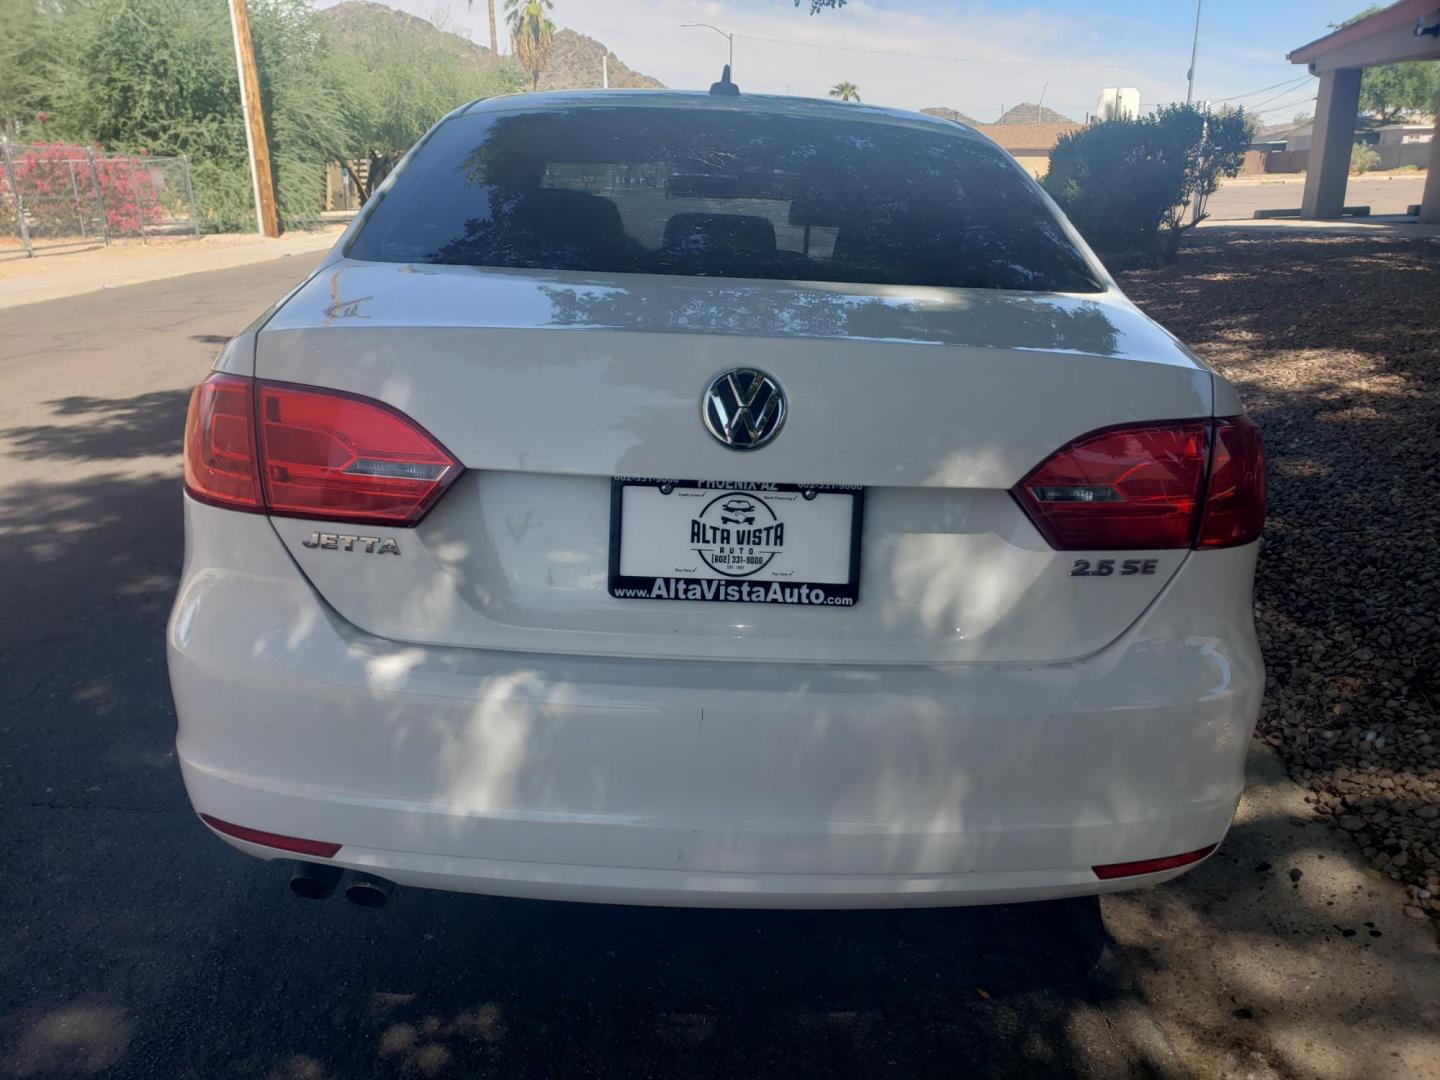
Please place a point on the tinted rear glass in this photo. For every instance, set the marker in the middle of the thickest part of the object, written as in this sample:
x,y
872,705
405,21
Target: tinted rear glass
x,y
721,193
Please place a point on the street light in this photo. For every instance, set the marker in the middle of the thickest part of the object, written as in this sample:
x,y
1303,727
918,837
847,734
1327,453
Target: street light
x,y
728,37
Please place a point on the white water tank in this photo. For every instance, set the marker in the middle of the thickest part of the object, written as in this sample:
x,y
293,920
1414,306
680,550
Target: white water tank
x,y
1118,103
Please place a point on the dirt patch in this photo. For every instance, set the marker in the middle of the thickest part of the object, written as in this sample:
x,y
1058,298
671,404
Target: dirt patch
x,y
1334,342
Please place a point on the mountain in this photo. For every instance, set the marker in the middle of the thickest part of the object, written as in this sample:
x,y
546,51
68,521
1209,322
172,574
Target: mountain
x,y
356,18
950,114
575,64
574,58
1026,113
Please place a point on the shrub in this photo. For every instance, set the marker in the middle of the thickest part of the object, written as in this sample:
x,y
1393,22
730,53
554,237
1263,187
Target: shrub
x,y
1135,186
58,189
1363,159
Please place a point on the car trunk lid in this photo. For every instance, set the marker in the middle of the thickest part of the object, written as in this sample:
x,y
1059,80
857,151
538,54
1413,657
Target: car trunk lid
x,y
547,385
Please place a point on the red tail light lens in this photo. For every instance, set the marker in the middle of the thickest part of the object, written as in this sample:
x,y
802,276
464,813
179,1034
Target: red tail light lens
x,y
1123,489
220,444
1235,497
318,454
1144,487
330,455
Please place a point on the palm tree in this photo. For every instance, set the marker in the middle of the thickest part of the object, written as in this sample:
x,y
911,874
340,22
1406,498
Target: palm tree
x,y
494,48
845,91
531,33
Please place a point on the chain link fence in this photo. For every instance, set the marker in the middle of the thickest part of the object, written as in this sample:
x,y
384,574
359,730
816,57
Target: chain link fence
x,y
53,196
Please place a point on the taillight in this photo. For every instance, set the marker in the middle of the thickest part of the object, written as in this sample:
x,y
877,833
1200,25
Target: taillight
x,y
312,453
334,456
1144,487
1235,496
220,444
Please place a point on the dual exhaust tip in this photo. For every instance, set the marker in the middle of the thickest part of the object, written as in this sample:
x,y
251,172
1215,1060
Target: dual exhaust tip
x,y
314,881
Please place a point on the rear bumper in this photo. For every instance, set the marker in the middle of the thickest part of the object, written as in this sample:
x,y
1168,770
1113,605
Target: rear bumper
x,y
677,782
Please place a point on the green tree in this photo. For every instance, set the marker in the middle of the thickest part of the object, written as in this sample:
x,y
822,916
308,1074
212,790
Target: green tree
x,y
31,53
1218,153
386,116
304,105
1138,185
159,76
531,34
1391,91
845,91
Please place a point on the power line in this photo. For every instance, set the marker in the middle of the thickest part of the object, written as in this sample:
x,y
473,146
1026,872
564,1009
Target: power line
x,y
1259,105
1286,104
983,59
1272,86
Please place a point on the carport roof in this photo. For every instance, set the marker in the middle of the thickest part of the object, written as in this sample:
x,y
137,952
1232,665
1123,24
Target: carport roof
x,y
1386,37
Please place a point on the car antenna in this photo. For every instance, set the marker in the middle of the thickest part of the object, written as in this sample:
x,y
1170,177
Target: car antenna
x,y
725,88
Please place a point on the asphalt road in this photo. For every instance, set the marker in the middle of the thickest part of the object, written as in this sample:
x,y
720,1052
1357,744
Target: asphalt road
x,y
1384,193
133,944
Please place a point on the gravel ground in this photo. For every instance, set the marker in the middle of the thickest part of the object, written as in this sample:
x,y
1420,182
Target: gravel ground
x,y
1334,342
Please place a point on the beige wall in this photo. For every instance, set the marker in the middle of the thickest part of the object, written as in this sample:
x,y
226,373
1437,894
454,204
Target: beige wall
x,y
1036,164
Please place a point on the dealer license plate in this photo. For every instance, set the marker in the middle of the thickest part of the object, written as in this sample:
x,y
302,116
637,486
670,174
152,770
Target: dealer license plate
x,y
736,543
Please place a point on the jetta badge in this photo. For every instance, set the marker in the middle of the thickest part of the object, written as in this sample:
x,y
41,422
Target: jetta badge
x,y
743,408
370,545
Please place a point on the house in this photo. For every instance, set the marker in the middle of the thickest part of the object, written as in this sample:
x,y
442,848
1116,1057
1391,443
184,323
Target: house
x,y
1400,145
1029,144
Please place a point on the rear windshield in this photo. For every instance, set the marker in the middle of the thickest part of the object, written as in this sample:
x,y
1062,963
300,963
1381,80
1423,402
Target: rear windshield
x,y
721,193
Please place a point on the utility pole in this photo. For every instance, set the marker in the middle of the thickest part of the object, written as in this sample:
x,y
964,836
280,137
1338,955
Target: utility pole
x,y
265,219
605,71
1194,51
494,48
1041,103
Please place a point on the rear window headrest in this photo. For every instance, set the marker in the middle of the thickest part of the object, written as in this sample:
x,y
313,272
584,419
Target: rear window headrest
x,y
559,210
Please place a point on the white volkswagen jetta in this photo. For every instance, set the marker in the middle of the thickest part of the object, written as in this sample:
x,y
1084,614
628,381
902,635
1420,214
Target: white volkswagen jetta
x,y
681,499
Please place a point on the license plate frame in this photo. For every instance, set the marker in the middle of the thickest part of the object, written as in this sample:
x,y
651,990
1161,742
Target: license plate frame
x,y
779,579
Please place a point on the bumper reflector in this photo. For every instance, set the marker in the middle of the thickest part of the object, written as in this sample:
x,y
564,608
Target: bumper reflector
x,y
319,848
1151,866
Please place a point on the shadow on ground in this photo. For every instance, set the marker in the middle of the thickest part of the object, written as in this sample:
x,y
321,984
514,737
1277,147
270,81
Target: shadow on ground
x,y
456,986
98,429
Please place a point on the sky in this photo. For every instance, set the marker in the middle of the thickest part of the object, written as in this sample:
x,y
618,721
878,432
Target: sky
x,y
977,57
